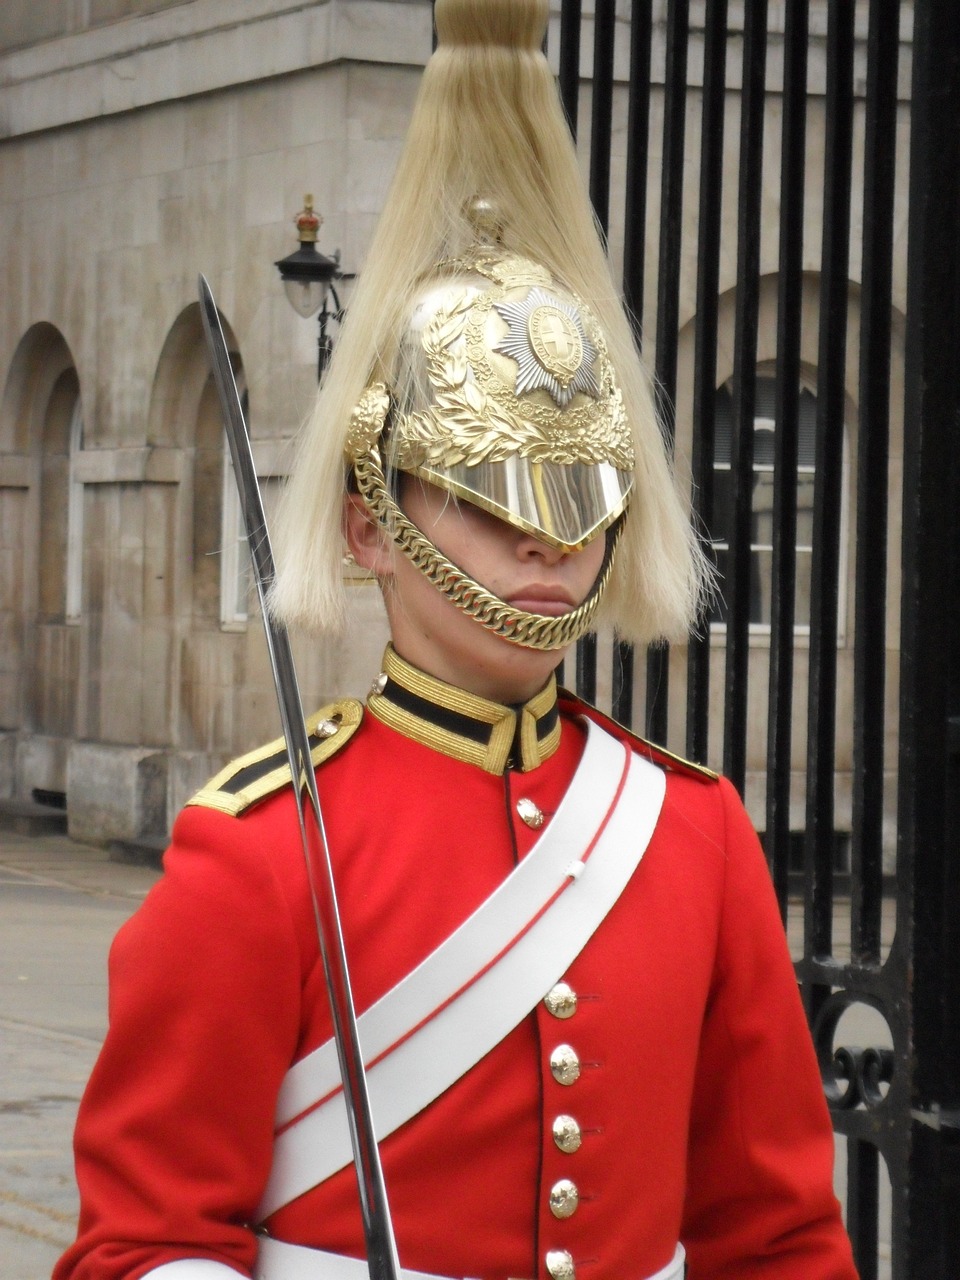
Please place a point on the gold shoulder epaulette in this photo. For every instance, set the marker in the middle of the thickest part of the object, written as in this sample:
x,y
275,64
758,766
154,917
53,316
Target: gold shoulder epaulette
x,y
260,773
658,755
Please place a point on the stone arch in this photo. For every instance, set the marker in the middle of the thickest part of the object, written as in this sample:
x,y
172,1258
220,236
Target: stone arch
x,y
183,371
40,662
41,357
184,413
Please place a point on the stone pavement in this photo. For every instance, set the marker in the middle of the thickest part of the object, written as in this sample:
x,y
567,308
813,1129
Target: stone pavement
x,y
60,905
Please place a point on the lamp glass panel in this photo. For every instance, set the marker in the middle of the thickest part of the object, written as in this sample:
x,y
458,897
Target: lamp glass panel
x,y
305,296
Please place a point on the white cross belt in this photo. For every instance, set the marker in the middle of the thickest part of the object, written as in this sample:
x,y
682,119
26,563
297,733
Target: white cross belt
x,y
469,993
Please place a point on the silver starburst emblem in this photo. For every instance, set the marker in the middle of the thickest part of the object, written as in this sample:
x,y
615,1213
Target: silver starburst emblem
x,y
546,338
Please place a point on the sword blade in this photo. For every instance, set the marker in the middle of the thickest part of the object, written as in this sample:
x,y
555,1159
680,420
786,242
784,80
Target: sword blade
x,y
377,1223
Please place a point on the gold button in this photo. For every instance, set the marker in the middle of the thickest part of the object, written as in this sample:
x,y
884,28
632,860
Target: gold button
x,y
560,1264
564,1198
564,1064
561,1001
529,813
566,1134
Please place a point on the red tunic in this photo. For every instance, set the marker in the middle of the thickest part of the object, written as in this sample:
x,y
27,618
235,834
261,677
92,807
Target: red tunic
x,y
699,1099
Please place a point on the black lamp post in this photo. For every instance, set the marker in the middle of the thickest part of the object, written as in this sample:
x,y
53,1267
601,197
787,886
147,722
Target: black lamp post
x,y
308,277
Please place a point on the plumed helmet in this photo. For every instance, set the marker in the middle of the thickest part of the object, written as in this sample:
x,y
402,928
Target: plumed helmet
x,y
486,351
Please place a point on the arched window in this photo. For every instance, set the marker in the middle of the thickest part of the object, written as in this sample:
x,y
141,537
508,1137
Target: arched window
x,y
761,537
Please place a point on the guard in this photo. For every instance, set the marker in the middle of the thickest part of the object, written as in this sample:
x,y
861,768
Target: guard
x,y
586,1054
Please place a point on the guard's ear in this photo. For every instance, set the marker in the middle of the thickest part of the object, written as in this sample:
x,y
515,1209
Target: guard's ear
x,y
369,545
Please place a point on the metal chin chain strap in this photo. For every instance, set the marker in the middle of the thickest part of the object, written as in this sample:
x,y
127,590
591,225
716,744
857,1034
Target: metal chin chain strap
x,y
532,630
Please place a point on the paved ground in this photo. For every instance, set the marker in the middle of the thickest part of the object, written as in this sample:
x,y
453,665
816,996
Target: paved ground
x,y
60,905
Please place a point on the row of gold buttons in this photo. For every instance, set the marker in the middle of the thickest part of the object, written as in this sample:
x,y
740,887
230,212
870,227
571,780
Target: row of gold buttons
x,y
564,1198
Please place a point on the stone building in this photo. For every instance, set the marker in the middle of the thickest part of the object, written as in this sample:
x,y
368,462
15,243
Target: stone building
x,y
144,141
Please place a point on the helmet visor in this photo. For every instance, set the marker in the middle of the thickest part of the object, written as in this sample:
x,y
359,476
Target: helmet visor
x,y
563,504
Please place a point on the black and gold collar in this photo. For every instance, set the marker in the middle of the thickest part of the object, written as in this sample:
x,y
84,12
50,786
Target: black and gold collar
x,y
460,724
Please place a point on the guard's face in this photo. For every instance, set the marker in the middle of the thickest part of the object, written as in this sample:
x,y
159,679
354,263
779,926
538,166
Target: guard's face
x,y
432,633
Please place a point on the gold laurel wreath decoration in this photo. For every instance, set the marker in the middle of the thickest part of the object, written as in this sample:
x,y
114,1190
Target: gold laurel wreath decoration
x,y
367,421
466,424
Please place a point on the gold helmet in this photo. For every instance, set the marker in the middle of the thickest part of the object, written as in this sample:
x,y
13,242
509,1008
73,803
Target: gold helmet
x,y
503,395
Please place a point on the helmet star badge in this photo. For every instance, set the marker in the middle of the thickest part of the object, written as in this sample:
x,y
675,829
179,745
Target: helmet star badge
x,y
546,338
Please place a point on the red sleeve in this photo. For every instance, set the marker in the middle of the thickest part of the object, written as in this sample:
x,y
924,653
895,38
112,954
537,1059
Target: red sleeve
x,y
174,1135
760,1202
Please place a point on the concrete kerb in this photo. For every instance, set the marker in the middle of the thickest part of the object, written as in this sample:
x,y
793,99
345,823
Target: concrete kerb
x,y
58,858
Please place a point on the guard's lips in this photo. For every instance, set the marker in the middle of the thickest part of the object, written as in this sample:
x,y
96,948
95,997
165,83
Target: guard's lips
x,y
550,601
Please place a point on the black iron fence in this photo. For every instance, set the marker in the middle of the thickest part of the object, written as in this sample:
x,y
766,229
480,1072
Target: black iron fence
x,y
825,465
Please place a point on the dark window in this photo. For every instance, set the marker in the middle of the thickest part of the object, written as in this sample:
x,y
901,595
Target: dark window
x,y
761,536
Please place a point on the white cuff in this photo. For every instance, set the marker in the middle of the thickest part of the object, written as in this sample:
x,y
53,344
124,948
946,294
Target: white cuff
x,y
193,1269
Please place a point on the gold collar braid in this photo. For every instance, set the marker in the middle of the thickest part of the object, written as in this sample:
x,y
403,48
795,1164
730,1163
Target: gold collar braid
x,y
463,725
533,630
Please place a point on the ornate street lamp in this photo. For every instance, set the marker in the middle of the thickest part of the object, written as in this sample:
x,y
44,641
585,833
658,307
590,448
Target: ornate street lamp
x,y
308,279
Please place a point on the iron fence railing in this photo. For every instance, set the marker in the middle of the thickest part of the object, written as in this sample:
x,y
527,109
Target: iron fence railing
x,y
876,929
